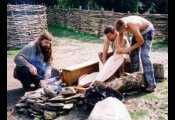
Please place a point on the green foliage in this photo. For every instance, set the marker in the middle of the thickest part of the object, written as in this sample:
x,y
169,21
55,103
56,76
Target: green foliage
x,y
133,6
161,6
76,3
61,31
119,5
140,6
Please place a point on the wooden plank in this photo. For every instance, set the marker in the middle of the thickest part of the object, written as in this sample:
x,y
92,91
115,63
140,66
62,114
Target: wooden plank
x,y
71,74
87,79
110,67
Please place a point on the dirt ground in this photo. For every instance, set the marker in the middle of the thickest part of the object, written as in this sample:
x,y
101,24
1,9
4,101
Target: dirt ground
x,y
68,52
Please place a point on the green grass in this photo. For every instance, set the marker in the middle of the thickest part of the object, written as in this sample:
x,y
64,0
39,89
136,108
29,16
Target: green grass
x,y
152,96
61,31
12,52
160,44
139,113
161,118
163,85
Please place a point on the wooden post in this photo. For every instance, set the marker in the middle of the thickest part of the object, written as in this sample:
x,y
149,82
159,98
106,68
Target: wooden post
x,y
158,70
80,7
102,9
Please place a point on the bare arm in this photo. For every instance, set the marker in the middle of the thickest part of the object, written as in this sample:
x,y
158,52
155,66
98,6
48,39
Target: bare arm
x,y
105,50
138,36
120,40
123,42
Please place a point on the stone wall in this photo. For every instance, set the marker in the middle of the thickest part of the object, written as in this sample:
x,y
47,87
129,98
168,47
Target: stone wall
x,y
94,22
24,24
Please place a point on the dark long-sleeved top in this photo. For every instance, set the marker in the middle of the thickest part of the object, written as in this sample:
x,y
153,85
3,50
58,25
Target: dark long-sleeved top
x,y
27,55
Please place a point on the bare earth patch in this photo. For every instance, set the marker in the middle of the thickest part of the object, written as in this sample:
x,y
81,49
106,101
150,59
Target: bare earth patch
x,y
68,52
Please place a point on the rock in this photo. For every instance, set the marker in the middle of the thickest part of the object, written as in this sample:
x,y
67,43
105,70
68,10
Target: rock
x,y
22,110
43,98
68,106
30,100
21,105
39,105
49,91
34,108
34,112
109,109
68,91
71,101
39,101
57,99
22,99
40,90
33,94
54,104
73,97
49,115
43,106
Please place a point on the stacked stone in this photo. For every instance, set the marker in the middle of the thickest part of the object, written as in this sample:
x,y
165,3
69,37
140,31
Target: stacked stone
x,y
94,22
41,103
24,24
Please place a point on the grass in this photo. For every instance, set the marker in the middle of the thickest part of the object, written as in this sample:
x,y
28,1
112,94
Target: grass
x,y
139,113
12,52
161,118
163,85
160,44
61,31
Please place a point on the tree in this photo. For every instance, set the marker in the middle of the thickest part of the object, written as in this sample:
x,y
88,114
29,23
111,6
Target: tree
x,y
36,2
119,5
161,6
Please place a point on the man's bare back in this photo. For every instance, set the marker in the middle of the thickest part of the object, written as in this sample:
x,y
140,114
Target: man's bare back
x,y
140,22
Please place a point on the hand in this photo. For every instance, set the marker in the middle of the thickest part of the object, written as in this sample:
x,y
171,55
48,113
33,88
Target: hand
x,y
121,51
48,73
32,69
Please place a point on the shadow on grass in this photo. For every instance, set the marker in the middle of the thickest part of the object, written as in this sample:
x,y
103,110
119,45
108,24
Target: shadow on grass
x,y
140,93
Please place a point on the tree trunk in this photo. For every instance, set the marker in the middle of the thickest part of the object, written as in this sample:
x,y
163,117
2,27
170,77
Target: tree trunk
x,y
127,83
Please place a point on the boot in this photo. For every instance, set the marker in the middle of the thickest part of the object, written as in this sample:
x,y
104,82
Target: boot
x,y
150,88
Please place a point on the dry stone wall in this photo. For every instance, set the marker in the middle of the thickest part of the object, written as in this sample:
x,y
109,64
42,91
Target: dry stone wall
x,y
24,24
94,22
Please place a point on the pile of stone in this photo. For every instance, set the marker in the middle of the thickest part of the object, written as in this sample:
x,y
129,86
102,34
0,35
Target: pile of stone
x,y
47,103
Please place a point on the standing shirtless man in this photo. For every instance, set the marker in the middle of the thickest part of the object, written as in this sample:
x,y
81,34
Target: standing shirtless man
x,y
143,32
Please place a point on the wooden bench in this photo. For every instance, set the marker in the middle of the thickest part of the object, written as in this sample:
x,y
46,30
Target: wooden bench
x,y
72,73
